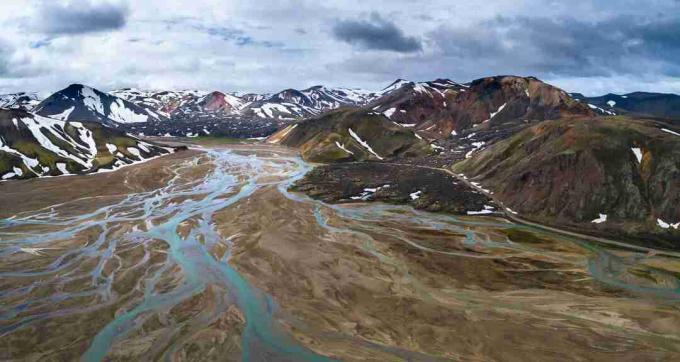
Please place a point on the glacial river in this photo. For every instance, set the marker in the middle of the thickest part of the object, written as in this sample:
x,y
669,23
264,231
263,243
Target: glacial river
x,y
79,279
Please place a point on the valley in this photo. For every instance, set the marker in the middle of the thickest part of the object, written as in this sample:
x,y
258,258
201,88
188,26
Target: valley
x,y
189,181
206,254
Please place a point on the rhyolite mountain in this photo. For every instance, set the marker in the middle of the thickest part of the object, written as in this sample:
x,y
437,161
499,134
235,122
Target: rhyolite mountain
x,y
612,175
349,134
34,146
663,105
78,102
412,104
460,118
441,108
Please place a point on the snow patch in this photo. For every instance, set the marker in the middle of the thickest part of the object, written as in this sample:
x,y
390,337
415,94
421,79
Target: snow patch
x,y
485,211
134,152
638,153
493,114
368,192
112,148
91,100
602,218
388,113
666,225
121,114
62,168
477,146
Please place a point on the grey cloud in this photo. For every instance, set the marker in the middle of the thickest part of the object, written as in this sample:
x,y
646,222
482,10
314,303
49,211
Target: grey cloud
x,y
375,33
565,47
81,17
5,53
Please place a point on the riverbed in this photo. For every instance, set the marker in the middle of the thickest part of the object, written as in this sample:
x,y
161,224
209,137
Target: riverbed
x,y
206,255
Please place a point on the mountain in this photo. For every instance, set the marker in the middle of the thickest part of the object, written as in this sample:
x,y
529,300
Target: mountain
x,y
661,105
82,103
490,109
287,105
31,146
465,118
163,102
211,105
351,135
194,113
21,100
441,108
604,174
414,104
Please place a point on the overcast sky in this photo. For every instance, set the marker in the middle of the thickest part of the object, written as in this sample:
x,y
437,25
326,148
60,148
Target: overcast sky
x,y
584,46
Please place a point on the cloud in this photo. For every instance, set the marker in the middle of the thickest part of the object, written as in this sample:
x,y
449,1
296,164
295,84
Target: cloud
x,y
5,53
586,46
566,46
80,17
375,34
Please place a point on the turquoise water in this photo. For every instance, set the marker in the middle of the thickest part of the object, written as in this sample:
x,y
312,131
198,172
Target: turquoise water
x,y
234,178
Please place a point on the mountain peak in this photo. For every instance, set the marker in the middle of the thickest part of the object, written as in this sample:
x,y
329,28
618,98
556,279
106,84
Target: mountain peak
x,y
396,85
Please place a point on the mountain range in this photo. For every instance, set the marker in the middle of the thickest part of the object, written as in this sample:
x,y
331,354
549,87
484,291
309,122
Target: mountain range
x,y
434,108
605,165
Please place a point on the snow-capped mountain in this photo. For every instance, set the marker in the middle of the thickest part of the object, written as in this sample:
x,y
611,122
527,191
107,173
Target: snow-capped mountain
x,y
163,102
287,105
34,146
78,102
194,113
295,104
209,105
22,100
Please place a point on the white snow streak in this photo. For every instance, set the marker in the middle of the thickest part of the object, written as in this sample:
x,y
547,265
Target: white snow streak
x,y
363,143
638,153
342,147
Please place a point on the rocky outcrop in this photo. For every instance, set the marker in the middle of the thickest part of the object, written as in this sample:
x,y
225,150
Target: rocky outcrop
x,y
422,188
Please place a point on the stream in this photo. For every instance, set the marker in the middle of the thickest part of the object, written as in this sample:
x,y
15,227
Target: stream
x,y
189,204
